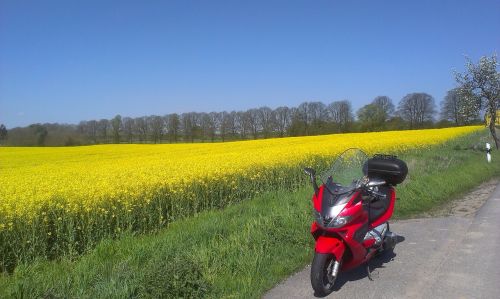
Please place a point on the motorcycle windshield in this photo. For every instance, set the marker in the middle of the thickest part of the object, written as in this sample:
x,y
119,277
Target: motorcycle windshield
x,y
343,176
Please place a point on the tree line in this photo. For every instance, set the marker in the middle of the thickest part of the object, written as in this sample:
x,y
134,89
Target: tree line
x,y
414,111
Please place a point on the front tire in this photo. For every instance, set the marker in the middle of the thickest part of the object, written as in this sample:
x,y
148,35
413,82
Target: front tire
x,y
324,273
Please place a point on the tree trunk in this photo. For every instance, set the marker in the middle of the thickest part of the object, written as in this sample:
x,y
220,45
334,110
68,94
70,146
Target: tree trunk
x,y
493,119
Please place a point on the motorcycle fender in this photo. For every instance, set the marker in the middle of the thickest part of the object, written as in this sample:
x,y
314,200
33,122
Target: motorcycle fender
x,y
330,245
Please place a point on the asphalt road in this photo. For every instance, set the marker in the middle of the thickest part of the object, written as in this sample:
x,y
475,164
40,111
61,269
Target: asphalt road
x,y
447,257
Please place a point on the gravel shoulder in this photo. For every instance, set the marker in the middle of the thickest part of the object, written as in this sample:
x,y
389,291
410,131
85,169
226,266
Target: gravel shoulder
x,y
451,253
467,205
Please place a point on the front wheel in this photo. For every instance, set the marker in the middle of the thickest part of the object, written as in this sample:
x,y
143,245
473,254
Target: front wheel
x,y
324,272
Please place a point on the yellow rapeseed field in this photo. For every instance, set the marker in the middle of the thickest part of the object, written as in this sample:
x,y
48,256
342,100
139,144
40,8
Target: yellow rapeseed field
x,y
86,176
76,195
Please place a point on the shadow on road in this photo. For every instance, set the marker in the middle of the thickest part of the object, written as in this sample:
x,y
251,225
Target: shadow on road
x,y
361,271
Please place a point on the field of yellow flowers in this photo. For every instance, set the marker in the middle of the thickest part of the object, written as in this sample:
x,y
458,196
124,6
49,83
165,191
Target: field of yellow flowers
x,y
60,201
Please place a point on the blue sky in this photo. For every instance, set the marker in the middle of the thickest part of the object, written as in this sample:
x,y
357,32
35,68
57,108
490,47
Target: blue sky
x,y
66,61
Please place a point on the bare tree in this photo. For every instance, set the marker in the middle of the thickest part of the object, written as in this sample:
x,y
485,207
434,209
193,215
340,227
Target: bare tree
x,y
228,125
241,123
283,119
340,114
157,125
317,111
417,108
450,107
128,129
266,121
102,128
207,126
479,86
384,103
223,125
188,124
233,124
455,109
252,116
297,126
141,128
92,130
346,115
216,122
308,118
186,127
89,130
302,117
318,117
116,126
173,127
196,119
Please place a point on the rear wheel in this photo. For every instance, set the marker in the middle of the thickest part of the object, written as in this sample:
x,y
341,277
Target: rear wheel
x,y
324,272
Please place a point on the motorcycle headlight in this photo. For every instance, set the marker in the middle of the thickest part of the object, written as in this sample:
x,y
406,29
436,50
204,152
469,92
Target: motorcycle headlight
x,y
340,221
337,222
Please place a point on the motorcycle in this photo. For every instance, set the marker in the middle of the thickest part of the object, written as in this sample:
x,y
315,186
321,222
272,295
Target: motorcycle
x,y
352,207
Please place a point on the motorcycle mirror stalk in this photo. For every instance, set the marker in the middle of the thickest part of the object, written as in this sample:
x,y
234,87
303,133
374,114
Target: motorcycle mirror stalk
x,y
312,176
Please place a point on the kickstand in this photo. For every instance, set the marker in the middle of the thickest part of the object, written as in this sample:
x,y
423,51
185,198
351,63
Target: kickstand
x,y
369,272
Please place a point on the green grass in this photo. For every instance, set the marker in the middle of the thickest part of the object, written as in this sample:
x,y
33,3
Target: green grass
x,y
240,251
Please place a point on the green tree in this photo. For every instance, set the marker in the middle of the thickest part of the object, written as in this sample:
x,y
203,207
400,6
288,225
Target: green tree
x,y
40,133
385,105
370,117
374,116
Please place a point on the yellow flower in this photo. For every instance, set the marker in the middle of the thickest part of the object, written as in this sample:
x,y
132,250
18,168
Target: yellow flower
x,y
38,183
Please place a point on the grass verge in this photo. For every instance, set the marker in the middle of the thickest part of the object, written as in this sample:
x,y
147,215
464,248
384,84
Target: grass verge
x,y
238,252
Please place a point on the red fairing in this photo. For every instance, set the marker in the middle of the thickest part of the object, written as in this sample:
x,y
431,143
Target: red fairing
x,y
330,245
343,239
314,229
317,198
385,217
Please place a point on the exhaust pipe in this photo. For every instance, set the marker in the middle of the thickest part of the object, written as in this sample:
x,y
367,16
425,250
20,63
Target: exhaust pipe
x,y
390,240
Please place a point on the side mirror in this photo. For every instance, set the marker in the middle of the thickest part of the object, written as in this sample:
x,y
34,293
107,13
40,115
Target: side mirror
x,y
310,172
312,176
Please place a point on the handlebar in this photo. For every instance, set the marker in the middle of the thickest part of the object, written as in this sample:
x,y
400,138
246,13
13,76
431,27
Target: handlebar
x,y
368,185
378,194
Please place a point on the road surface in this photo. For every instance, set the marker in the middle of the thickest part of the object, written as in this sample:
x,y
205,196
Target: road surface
x,y
444,257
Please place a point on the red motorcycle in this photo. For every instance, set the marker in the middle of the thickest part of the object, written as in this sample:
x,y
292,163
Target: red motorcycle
x,y
352,208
